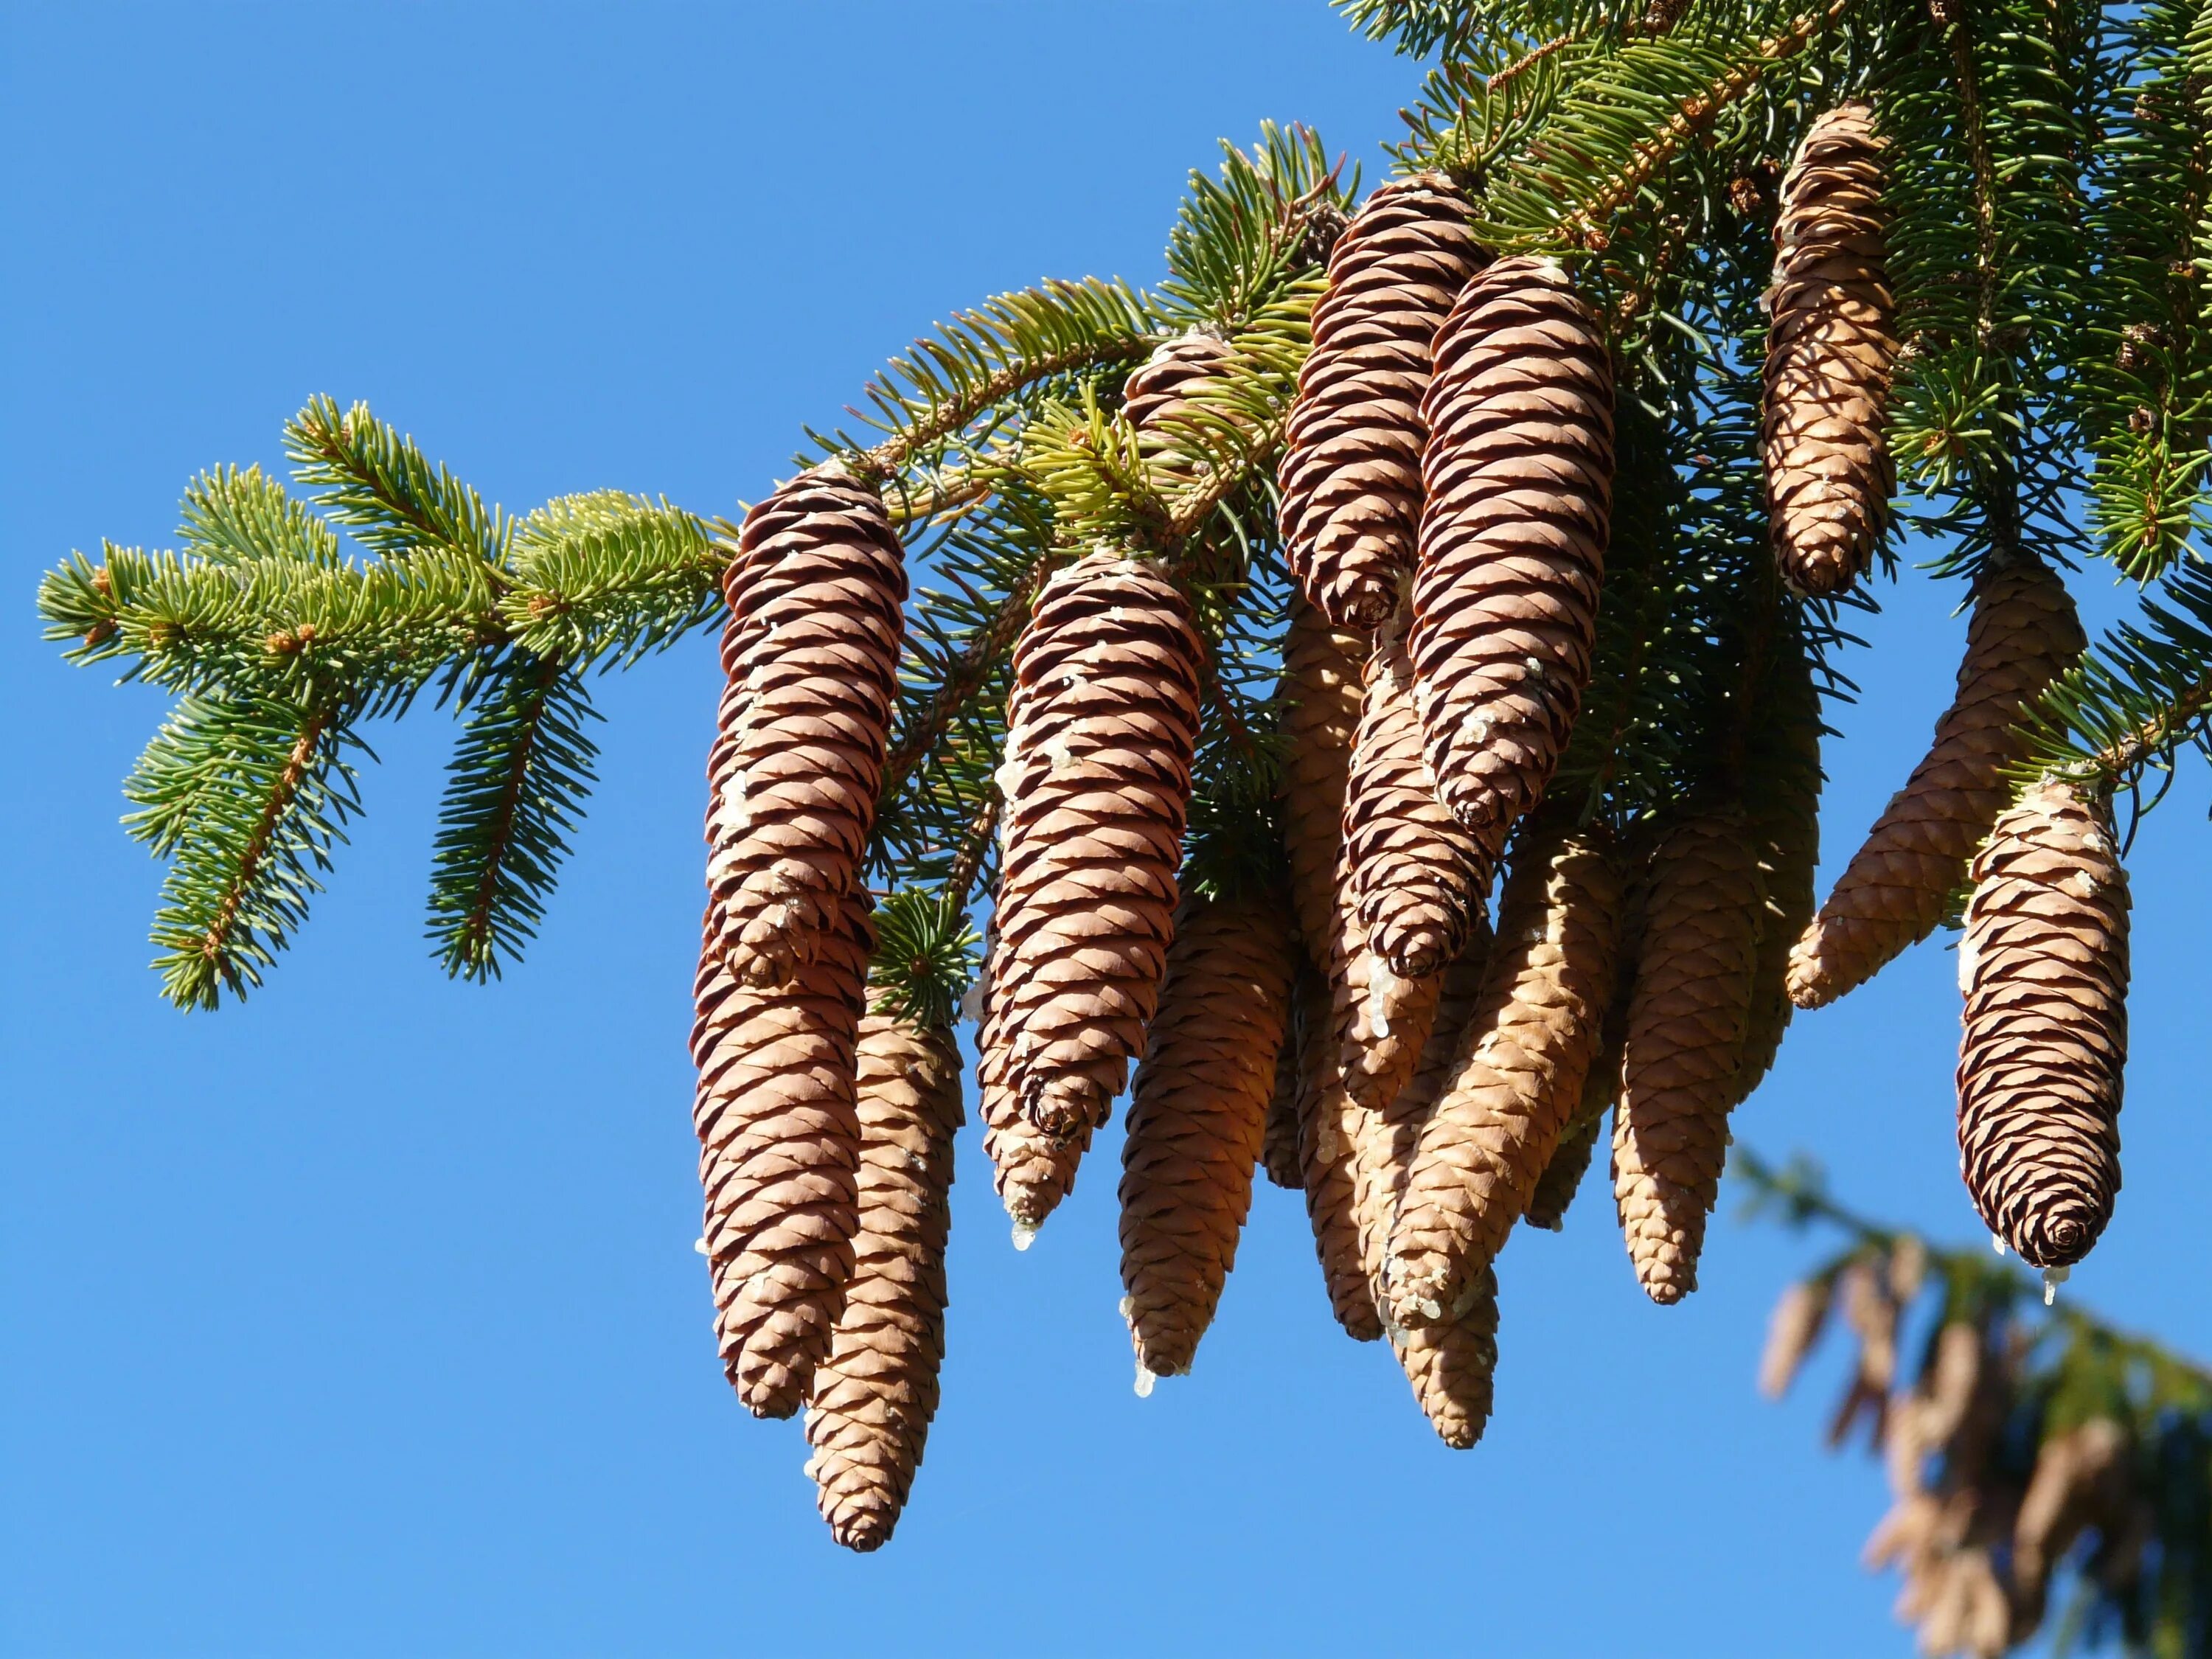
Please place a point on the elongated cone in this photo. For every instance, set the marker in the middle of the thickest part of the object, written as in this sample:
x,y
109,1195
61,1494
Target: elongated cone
x,y
1570,1159
1352,476
778,1151
1782,810
1519,471
1689,1011
1418,880
1519,1076
1798,1319
1452,1365
2045,969
1306,1028
811,655
1829,348
2023,634
1327,1126
1101,730
1197,1117
868,1413
1322,665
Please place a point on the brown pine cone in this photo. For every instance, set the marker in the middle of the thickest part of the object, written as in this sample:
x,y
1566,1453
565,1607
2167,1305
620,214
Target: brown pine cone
x,y
868,1412
1782,809
1519,1078
1418,880
1519,471
1101,727
1829,348
779,1139
1452,1365
811,654
1329,1121
1159,390
1197,1116
1352,474
1321,693
2023,634
1304,1033
1570,1159
2044,965
1380,1021
1688,1013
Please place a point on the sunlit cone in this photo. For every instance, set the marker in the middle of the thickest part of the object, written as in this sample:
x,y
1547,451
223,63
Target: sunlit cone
x,y
2045,969
1418,880
2023,634
1829,347
1352,475
1518,1077
1303,1036
1320,695
778,1151
1519,471
1160,391
1197,1117
1782,810
1101,726
1570,1163
1328,1123
1688,1013
868,1411
811,654
1453,1364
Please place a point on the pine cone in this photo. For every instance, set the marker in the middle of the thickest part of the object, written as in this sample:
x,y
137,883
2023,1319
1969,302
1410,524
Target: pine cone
x,y
1158,391
1519,1078
812,652
1519,470
1329,1121
2024,634
1798,1319
1101,727
779,1138
1306,1028
2045,969
1418,879
1030,1170
1352,475
1829,348
1782,809
1570,1159
868,1413
1688,1013
1451,1365
1321,692
1197,1117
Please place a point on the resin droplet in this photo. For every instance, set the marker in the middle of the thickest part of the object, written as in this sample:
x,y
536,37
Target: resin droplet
x,y
1024,1236
699,1245
1144,1380
2052,1278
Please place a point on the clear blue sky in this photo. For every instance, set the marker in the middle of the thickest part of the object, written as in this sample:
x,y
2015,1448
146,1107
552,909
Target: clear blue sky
x,y
364,1319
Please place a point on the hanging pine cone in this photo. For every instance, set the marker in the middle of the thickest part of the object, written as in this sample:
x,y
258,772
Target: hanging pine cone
x,y
1689,1011
1303,1033
1328,1124
1519,1078
779,1139
1352,475
1418,880
1782,810
1829,348
2045,969
1197,1116
1159,390
868,1413
1320,695
2023,634
1452,1365
1102,728
1570,1159
812,652
1519,471
1030,1170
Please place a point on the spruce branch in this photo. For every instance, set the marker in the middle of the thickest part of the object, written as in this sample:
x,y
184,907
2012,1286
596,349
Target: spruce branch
x,y
371,478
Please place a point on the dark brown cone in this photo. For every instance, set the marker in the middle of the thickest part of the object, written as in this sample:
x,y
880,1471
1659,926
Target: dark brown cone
x,y
1418,880
1519,471
1688,1013
1308,1024
779,1137
1101,726
811,654
2023,634
867,1415
1782,809
2044,965
1829,348
1198,1113
1321,692
1452,1365
1352,476
1518,1077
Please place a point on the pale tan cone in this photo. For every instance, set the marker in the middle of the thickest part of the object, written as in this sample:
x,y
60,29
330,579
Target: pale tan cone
x,y
1519,1076
1830,347
1102,731
1351,471
868,1413
1326,1140
812,652
1308,1024
2044,966
1688,1013
2024,634
1198,1114
779,1137
1321,690
1452,1366
1418,880
1518,467
1564,1171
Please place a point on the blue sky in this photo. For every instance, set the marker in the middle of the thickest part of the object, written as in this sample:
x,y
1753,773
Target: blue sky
x,y
364,1319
